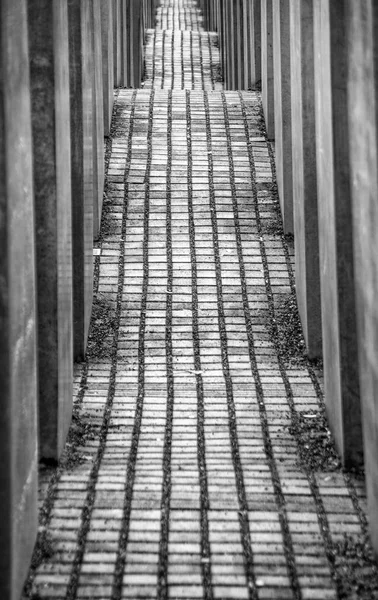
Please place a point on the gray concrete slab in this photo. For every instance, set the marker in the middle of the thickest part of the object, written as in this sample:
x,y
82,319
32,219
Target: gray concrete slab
x,y
252,36
363,130
117,41
340,343
18,352
305,196
49,65
267,69
80,14
135,33
282,110
98,117
107,22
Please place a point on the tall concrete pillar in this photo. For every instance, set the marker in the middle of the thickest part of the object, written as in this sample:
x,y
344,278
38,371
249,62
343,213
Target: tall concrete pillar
x,y
18,352
229,47
251,25
107,62
125,42
223,40
363,128
267,69
98,117
240,46
117,41
135,34
255,27
50,92
340,344
305,196
80,22
282,110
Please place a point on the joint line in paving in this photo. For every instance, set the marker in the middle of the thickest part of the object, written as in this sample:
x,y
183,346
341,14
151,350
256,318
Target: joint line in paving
x,y
162,590
211,61
200,38
162,59
173,59
153,59
191,58
182,61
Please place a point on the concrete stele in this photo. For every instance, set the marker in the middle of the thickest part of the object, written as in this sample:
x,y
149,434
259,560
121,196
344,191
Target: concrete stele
x,y
305,197
98,118
282,110
340,345
80,18
117,42
18,352
107,36
267,69
49,58
135,34
363,126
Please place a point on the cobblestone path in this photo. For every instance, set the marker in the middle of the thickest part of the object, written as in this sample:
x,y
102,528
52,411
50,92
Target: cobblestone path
x,y
190,471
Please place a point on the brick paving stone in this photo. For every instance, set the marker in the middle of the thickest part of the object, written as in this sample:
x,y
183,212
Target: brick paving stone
x,y
190,484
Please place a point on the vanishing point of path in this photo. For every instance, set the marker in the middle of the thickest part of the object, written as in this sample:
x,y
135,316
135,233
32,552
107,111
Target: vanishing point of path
x,y
191,472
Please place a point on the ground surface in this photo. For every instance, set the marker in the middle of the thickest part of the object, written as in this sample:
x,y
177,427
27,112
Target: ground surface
x,y
199,463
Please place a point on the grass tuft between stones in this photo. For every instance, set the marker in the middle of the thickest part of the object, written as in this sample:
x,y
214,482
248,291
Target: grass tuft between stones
x,y
103,323
316,446
356,569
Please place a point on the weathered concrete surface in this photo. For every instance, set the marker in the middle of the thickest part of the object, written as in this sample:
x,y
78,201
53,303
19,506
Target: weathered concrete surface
x,y
221,35
282,110
267,69
107,22
335,230
240,46
136,41
363,128
48,43
80,15
305,199
253,24
125,17
98,117
18,352
117,41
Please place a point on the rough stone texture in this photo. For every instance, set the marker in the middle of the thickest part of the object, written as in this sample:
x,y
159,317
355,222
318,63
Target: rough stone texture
x,y
80,13
48,43
107,22
282,110
98,118
267,69
18,353
340,345
305,198
363,106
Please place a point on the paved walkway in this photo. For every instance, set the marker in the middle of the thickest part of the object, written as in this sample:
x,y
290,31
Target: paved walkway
x,y
198,464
